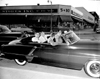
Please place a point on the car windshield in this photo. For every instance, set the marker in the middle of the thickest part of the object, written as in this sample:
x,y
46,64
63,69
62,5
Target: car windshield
x,y
71,38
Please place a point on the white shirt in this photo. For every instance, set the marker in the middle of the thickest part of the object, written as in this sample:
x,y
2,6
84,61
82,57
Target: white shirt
x,y
42,39
35,39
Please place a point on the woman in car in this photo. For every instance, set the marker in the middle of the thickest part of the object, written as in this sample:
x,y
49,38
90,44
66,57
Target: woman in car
x,y
55,39
58,37
52,40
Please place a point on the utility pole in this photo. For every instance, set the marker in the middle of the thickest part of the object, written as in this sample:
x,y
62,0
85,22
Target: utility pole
x,y
49,1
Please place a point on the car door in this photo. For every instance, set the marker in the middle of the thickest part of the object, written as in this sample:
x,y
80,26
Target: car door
x,y
74,57
55,54
81,52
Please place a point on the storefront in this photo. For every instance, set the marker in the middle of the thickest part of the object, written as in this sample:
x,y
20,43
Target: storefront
x,y
40,16
87,17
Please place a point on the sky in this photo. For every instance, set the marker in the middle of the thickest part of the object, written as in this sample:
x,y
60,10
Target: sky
x,y
89,5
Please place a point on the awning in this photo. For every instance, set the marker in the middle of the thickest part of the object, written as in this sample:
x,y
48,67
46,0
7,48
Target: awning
x,y
66,18
88,22
45,18
77,19
12,19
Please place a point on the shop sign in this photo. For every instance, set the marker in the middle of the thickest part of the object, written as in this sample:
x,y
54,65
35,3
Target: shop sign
x,y
64,10
29,11
90,18
76,14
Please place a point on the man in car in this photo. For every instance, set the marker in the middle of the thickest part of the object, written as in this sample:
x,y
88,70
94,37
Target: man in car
x,y
55,39
36,38
58,37
42,37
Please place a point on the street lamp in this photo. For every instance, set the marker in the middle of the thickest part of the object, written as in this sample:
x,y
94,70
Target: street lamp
x,y
49,1
6,4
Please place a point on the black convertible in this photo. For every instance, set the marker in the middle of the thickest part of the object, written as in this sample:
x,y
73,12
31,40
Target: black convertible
x,y
83,54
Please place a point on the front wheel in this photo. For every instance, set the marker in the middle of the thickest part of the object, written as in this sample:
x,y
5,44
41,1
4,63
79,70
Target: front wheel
x,y
92,68
20,62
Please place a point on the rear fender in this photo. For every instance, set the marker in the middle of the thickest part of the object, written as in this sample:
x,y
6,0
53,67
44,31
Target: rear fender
x,y
22,50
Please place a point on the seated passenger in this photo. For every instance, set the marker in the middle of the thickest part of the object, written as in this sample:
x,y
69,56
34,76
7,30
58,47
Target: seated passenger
x,y
55,39
42,37
36,38
58,37
52,40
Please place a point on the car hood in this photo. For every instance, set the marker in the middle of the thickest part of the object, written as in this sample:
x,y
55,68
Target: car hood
x,y
87,44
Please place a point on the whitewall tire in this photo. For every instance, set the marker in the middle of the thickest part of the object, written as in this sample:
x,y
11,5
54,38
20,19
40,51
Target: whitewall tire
x,y
92,68
20,62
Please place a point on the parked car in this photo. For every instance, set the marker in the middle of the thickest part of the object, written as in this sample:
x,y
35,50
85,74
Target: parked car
x,y
84,54
6,35
21,29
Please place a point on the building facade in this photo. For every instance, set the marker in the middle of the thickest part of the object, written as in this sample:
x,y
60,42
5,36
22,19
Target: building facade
x,y
41,16
87,17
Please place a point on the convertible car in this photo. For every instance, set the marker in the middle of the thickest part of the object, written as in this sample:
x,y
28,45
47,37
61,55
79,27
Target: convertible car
x,y
83,54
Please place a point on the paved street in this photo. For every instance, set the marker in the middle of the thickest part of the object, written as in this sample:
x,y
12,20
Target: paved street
x,y
10,70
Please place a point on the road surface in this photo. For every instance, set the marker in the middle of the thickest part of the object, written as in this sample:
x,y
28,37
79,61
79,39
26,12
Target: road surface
x,y
10,70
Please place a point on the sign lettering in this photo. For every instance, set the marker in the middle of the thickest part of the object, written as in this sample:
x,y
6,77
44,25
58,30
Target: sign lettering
x,y
29,11
64,10
75,14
